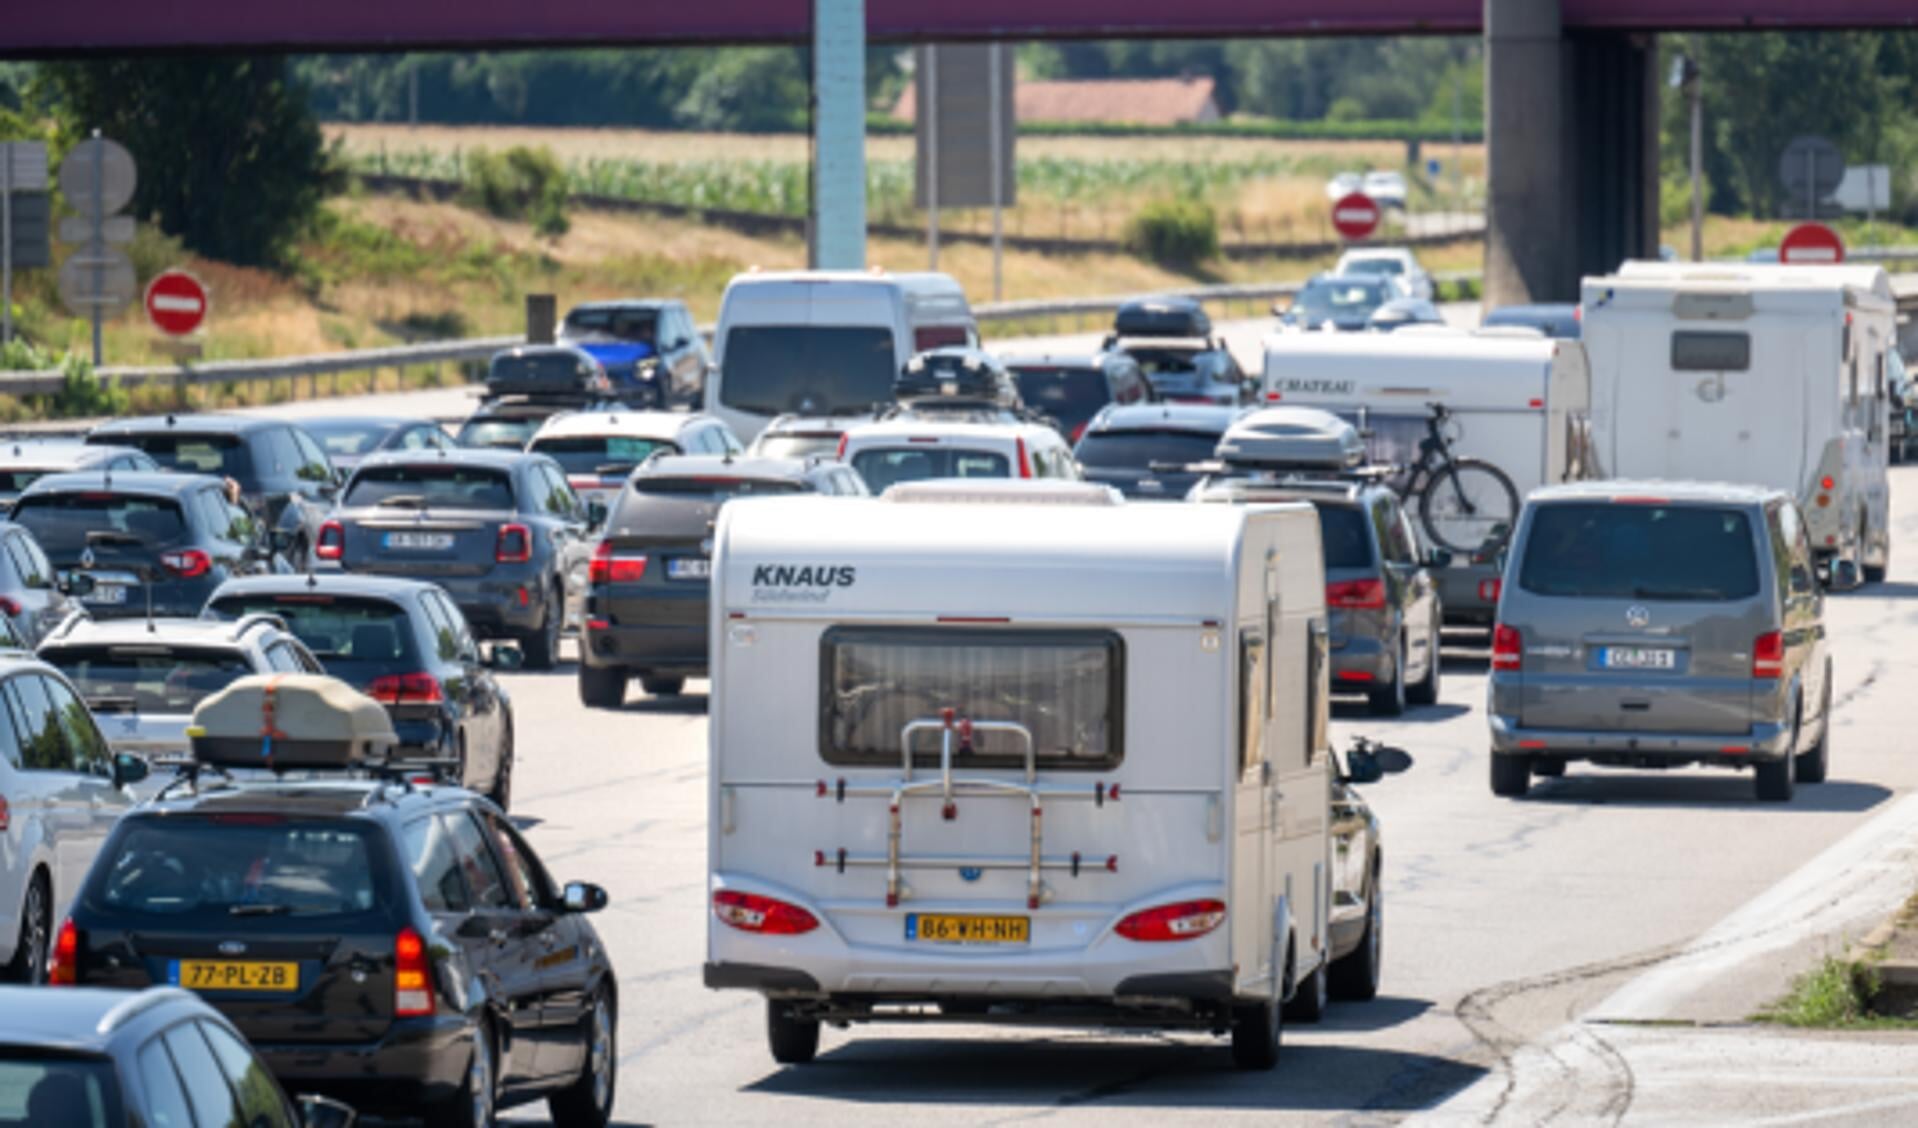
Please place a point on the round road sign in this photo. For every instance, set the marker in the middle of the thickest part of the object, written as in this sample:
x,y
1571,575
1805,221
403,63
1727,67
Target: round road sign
x,y
1811,244
98,177
1355,215
176,302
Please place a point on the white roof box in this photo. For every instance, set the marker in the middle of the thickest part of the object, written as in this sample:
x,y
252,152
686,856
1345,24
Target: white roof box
x,y
1298,437
1002,491
290,721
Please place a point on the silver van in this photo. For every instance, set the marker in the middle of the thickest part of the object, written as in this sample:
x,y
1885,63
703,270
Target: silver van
x,y
1657,625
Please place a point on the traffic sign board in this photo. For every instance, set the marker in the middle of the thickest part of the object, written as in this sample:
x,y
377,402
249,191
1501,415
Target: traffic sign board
x,y
23,166
1355,215
176,302
1810,168
79,229
1811,244
98,177
97,280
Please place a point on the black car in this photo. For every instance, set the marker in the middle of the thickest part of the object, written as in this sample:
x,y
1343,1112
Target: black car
x,y
284,475
497,529
349,438
96,1058
650,580
407,646
1146,451
1172,341
115,537
649,347
396,947
24,462
508,422
1070,389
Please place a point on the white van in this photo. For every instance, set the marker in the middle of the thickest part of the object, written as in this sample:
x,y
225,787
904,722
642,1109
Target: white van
x,y
825,342
961,770
1762,374
1515,399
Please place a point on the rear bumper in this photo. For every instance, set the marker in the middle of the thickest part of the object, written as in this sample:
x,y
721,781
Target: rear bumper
x,y
493,603
1763,741
1358,661
680,649
418,1062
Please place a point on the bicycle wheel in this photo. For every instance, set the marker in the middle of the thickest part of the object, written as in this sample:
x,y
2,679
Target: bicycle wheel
x,y
1468,507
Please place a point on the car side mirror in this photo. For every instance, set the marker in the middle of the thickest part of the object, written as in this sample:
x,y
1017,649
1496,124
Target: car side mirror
x,y
324,1112
503,657
582,897
76,583
129,769
595,513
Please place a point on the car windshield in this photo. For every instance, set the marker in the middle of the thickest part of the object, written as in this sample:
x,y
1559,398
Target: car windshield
x,y
1634,550
449,486
153,678
219,455
510,434
62,522
795,446
1343,537
611,324
222,866
882,468
349,436
1139,450
600,454
336,628
812,370
1337,299
39,1087
1070,394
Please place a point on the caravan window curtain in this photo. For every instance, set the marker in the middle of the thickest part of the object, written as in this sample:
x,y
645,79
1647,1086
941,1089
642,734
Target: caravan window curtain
x,y
1064,686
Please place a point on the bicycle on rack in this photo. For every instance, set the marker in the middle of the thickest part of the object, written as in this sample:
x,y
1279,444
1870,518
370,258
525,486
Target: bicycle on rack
x,y
1467,506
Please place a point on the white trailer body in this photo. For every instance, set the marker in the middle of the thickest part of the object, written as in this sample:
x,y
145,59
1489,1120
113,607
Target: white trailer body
x,y
1167,661
1770,375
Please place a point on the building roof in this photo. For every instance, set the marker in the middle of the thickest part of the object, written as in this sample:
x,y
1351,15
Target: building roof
x,y
1135,101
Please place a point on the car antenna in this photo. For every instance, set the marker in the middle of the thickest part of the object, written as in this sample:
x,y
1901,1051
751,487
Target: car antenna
x,y
146,582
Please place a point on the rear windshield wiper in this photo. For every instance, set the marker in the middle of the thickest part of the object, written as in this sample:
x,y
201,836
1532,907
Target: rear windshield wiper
x,y
111,703
114,537
258,910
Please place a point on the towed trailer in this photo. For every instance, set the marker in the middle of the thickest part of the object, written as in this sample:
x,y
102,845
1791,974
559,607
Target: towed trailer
x,y
1021,753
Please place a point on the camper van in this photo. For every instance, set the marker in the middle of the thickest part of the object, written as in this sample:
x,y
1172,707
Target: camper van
x,y
1511,398
825,343
1761,374
961,771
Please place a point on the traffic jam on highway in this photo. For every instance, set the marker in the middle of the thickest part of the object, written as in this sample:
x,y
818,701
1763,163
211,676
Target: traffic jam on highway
x,y
1021,666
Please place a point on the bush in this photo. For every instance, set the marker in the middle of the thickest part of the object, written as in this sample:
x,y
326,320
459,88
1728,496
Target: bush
x,y
519,183
83,394
1174,232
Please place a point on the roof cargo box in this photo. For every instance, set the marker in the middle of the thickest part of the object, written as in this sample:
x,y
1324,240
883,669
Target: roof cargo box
x,y
956,375
290,721
1301,437
534,370
1162,317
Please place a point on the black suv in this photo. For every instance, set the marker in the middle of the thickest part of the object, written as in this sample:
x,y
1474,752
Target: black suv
x,y
406,645
284,475
113,534
498,530
650,580
94,1058
1172,340
399,948
1071,388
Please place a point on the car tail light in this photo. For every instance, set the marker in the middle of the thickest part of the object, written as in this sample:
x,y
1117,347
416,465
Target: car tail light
x,y
1508,648
10,605
843,436
1357,595
412,976
1078,433
401,689
750,912
1488,590
515,544
332,542
1768,655
187,563
6,815
1186,920
1019,448
608,568
63,962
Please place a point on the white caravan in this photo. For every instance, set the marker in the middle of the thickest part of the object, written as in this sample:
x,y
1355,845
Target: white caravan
x,y
961,770
1762,374
825,342
1516,400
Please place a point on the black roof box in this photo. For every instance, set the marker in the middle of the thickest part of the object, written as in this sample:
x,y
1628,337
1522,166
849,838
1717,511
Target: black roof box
x,y
957,375
1162,317
1302,438
545,370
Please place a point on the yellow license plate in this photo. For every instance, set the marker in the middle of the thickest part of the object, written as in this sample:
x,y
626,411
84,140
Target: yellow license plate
x,y
939,928
236,975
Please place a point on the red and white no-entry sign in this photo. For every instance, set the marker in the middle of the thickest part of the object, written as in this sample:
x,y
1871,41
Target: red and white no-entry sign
x,y
176,302
1355,215
1811,244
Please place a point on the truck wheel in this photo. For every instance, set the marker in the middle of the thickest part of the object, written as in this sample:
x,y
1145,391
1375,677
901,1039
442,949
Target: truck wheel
x,y
1310,997
1388,700
1355,975
794,1040
602,687
1511,775
1775,780
662,686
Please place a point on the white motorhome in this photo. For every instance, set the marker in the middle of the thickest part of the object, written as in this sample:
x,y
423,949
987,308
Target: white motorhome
x,y
825,342
961,770
1763,374
1515,399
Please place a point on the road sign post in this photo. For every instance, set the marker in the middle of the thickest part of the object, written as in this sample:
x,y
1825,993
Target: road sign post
x,y
1355,216
98,178
1811,244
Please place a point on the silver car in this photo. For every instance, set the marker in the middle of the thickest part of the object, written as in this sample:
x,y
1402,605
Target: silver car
x,y
1657,625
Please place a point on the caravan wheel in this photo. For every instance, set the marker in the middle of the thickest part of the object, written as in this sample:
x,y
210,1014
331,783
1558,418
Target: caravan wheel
x,y
1309,999
793,1040
1256,1030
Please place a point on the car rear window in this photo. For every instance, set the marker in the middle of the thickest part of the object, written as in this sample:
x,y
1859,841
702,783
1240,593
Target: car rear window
x,y
882,468
797,445
147,679
496,433
1342,533
449,486
42,1087
600,454
1138,450
617,323
1614,550
1069,394
61,522
222,455
812,369
222,866
336,628
348,436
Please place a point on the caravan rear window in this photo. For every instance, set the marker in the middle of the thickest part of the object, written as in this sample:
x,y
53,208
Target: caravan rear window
x,y
1695,350
1065,687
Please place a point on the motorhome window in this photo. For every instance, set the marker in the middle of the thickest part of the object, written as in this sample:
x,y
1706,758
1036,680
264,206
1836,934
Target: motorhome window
x,y
1252,698
1696,350
1621,550
811,369
1066,687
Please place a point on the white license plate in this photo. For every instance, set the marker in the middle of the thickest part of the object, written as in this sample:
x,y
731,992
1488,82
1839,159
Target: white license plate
x,y
1639,658
426,541
689,568
105,593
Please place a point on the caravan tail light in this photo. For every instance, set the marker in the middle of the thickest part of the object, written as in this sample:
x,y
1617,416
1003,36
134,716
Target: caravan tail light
x,y
1508,649
63,961
1768,655
412,976
1186,920
750,912
606,568
1356,595
332,542
515,544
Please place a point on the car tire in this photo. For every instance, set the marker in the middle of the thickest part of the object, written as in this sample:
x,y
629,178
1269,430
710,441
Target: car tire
x,y
1388,700
588,1101
602,687
476,1103
1426,692
1258,1029
662,686
1355,975
793,1040
1511,775
502,791
1310,997
542,644
29,965
1811,766
1774,781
